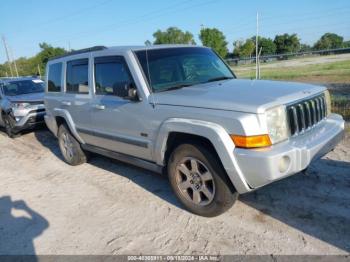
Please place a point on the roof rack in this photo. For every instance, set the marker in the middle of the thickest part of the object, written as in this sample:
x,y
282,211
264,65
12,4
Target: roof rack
x,y
80,51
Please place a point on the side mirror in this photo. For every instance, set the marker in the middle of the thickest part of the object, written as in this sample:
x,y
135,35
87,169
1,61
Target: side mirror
x,y
132,93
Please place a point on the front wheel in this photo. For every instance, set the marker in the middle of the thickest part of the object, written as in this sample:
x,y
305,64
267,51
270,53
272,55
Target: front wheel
x,y
9,127
199,181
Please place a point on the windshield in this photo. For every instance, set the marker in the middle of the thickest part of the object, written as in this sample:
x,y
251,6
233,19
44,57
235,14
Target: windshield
x,y
171,68
15,88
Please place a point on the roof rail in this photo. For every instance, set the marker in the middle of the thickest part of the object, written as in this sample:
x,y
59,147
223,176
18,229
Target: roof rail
x,y
80,51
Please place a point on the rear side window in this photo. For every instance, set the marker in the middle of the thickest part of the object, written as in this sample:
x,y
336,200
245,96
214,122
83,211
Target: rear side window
x,y
77,77
112,76
54,78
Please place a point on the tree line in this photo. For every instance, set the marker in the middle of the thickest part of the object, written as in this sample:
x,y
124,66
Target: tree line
x,y
210,37
281,44
34,65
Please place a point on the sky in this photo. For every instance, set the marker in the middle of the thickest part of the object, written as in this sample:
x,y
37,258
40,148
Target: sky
x,y
83,23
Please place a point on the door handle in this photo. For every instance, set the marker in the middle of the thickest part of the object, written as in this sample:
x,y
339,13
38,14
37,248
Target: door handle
x,y
100,107
66,103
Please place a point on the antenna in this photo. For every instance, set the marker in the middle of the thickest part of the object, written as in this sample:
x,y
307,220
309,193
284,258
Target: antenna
x,y
7,55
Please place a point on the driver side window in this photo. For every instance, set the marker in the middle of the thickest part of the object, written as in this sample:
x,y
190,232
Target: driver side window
x,y
112,76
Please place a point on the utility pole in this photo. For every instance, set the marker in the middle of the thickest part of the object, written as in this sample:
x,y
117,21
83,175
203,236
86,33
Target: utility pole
x,y
7,55
14,61
39,71
259,75
256,47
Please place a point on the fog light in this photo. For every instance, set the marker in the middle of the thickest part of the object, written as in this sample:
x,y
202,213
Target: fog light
x,y
284,164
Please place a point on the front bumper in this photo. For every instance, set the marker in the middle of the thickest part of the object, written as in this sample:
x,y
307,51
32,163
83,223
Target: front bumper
x,y
263,166
29,121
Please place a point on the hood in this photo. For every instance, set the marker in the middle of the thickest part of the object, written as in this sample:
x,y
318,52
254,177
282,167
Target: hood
x,y
28,98
251,96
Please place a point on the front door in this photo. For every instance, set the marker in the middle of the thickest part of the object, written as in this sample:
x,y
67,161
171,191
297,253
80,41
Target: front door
x,y
119,123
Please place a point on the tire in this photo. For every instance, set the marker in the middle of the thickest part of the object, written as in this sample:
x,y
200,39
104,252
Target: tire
x,y
70,148
205,190
9,127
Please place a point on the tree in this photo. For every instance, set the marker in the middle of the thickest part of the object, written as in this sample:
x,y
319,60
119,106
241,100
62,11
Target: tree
x,y
214,38
346,44
287,43
244,49
268,47
305,48
173,35
247,48
329,41
29,66
47,52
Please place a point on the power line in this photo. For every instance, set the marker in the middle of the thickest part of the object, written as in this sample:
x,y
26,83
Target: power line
x,y
60,18
133,21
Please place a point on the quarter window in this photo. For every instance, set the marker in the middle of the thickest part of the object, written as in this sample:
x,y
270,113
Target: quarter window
x,y
112,76
77,77
54,78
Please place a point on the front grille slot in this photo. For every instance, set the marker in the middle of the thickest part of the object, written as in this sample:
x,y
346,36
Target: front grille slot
x,y
305,114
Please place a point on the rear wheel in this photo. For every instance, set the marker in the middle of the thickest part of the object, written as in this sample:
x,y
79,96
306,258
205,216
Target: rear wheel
x,y
70,147
199,181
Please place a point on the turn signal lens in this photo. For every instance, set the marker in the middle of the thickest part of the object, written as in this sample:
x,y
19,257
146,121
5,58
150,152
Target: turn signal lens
x,y
251,141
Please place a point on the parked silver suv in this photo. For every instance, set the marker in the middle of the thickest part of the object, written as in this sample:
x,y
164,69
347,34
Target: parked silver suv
x,y
180,109
21,104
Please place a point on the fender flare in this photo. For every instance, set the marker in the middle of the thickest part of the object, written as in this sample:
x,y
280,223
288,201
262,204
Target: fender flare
x,y
57,112
215,133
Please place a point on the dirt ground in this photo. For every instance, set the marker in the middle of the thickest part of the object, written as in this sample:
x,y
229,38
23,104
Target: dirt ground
x,y
106,207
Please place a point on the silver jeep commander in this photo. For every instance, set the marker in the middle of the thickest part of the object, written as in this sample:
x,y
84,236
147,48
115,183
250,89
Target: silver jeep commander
x,y
180,109
21,104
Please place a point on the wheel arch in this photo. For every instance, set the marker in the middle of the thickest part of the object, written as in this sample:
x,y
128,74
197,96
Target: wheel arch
x,y
63,117
211,134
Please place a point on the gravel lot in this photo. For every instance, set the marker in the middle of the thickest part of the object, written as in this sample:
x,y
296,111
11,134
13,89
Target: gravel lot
x,y
106,207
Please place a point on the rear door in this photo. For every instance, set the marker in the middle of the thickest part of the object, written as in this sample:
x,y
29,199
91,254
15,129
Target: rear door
x,y
77,94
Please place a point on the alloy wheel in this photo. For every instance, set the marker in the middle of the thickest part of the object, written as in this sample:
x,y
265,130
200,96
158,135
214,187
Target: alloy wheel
x,y
195,181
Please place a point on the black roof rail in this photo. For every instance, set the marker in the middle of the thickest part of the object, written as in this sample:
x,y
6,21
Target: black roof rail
x,y
80,51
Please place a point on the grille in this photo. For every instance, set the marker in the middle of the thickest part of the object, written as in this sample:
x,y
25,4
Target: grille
x,y
306,113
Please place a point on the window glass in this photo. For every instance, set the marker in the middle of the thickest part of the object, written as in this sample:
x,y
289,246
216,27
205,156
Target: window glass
x,y
167,68
16,88
77,77
54,81
112,76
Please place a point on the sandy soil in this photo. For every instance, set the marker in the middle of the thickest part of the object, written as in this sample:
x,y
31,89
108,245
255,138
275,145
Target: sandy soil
x,y
106,207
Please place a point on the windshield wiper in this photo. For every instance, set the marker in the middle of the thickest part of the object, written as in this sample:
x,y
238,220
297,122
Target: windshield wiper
x,y
175,87
219,78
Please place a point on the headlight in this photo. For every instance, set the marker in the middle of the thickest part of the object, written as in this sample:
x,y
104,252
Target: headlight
x,y
328,102
20,105
277,124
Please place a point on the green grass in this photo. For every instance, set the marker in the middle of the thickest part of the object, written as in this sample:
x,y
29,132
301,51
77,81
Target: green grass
x,y
334,72
341,105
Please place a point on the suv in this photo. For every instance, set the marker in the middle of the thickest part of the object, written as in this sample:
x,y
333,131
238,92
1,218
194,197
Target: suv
x,y
21,104
181,110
